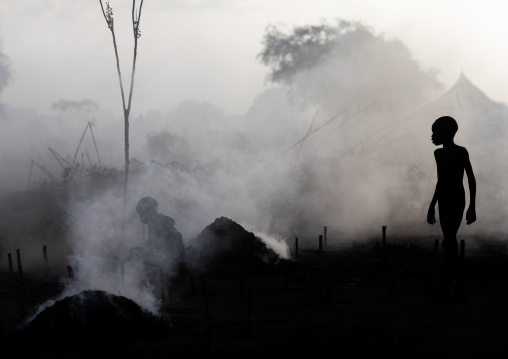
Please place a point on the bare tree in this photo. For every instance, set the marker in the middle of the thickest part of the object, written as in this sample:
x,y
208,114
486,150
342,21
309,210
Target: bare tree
x,y
136,17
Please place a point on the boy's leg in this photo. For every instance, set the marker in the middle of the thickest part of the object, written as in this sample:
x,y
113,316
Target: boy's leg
x,y
451,256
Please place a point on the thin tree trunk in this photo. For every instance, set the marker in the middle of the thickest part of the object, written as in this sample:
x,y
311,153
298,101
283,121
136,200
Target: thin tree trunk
x,y
108,16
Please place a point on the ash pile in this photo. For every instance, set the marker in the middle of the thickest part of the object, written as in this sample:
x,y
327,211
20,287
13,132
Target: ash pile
x,y
96,319
225,249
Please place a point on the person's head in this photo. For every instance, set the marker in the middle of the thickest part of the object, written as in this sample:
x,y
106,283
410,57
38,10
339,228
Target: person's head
x,y
443,130
146,208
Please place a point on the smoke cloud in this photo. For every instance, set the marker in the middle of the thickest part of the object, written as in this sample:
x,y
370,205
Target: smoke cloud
x,y
341,139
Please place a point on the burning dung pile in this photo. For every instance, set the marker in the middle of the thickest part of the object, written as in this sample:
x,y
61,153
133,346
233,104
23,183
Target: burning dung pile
x,y
94,318
226,249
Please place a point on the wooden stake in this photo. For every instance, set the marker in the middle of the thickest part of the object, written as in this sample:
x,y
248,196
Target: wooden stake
x,y
45,254
384,236
296,247
320,242
70,272
22,284
20,267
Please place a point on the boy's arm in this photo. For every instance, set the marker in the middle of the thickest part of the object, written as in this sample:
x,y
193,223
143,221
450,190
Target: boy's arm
x,y
431,214
471,212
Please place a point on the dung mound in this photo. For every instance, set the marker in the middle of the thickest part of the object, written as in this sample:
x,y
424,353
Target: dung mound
x,y
93,318
226,249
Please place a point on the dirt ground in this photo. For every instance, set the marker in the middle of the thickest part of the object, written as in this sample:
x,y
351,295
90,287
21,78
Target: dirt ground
x,y
347,301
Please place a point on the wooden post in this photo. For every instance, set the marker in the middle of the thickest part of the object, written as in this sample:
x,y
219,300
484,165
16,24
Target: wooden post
x,y
296,247
462,250
384,236
205,298
325,235
436,246
20,267
320,242
45,254
22,284
70,271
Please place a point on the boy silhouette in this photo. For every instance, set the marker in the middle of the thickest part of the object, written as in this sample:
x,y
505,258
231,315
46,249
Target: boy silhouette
x,y
451,160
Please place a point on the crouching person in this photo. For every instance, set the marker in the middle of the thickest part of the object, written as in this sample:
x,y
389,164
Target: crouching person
x,y
165,246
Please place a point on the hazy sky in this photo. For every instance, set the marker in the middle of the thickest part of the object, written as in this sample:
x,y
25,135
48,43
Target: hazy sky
x,y
206,49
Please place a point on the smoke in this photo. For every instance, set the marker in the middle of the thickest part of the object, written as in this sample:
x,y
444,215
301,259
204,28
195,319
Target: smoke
x,y
5,76
341,139
276,243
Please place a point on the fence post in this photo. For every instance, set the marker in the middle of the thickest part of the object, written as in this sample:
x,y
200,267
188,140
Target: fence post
x,y
45,254
384,237
20,267
70,271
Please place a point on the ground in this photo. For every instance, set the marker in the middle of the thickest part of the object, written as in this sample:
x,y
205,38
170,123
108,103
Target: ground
x,y
345,300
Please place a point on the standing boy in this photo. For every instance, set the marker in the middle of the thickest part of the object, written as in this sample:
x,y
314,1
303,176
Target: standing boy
x,y
451,160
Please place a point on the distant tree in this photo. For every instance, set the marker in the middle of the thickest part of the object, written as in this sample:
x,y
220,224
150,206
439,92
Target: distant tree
x,y
343,62
87,106
136,17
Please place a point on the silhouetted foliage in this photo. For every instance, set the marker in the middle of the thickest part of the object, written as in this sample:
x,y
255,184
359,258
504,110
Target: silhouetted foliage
x,y
326,63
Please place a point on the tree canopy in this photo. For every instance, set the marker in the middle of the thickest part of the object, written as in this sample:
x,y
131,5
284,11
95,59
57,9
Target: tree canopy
x,y
343,62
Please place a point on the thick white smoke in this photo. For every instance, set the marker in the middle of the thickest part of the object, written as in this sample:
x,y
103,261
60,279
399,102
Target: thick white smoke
x,y
344,143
